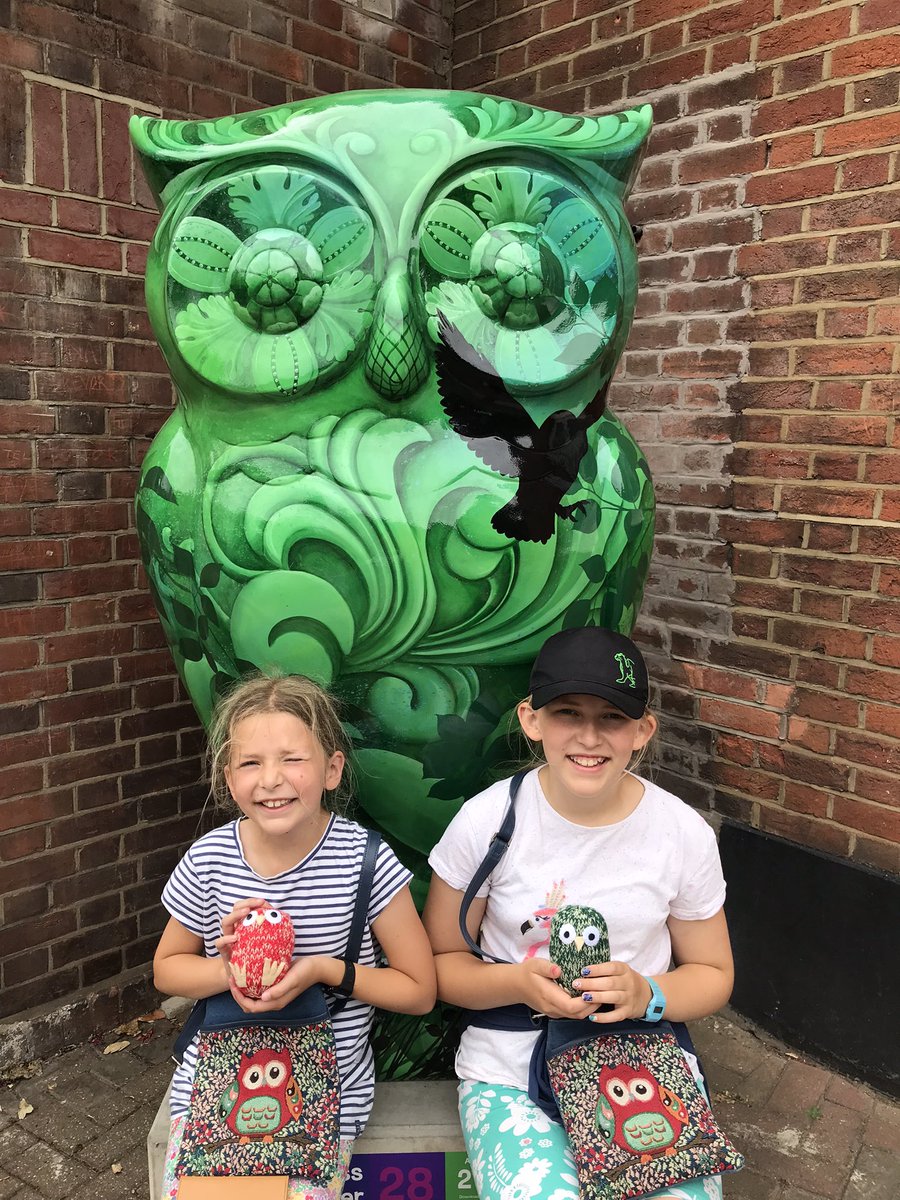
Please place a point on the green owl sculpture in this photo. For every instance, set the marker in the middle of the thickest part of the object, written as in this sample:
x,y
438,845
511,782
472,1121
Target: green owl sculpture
x,y
578,938
392,319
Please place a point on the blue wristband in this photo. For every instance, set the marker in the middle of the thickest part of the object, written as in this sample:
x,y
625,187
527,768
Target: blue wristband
x,y
657,1005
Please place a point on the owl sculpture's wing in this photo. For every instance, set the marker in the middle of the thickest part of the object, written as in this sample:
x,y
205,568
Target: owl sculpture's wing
x,y
545,459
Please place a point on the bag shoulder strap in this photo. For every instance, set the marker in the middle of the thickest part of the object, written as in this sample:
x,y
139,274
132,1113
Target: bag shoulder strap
x,y
197,1015
189,1030
496,850
360,907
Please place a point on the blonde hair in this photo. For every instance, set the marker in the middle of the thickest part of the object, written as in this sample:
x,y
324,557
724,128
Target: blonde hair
x,y
266,693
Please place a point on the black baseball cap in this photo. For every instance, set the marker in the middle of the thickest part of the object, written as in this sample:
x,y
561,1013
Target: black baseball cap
x,y
593,661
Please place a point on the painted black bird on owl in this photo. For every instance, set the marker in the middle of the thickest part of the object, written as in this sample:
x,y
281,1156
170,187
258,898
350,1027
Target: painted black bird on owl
x,y
544,458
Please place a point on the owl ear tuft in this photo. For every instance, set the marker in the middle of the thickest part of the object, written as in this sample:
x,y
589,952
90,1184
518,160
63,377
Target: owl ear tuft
x,y
162,154
167,148
613,143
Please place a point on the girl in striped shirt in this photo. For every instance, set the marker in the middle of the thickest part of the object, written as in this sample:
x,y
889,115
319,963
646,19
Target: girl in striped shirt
x,y
277,754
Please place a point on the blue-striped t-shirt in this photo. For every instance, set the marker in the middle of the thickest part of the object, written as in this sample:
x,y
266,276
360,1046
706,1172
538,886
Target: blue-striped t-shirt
x,y
318,893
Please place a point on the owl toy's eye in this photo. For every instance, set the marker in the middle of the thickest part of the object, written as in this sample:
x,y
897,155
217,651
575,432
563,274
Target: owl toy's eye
x,y
617,1091
249,920
273,916
567,933
274,1072
271,281
591,935
524,265
641,1089
253,1078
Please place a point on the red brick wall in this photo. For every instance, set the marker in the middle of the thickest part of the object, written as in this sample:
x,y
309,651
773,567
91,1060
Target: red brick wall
x,y
758,380
100,789
761,380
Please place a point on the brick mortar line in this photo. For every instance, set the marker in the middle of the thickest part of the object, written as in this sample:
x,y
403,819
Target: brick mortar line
x,y
854,377
814,90
814,623
812,448
64,85
793,584
852,340
686,18
592,17
821,161
769,172
847,118
723,75
762,206
675,156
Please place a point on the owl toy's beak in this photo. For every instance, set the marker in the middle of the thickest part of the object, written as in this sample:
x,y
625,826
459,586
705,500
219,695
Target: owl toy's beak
x,y
579,942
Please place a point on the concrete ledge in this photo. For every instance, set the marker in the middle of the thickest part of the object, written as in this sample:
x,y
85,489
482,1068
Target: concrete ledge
x,y
420,1117
157,1140
49,1028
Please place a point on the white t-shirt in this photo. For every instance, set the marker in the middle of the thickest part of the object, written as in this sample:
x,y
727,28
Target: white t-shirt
x,y
660,861
318,893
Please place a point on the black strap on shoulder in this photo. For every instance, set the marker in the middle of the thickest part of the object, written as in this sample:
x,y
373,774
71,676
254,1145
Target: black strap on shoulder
x,y
360,908
496,850
197,1014
189,1029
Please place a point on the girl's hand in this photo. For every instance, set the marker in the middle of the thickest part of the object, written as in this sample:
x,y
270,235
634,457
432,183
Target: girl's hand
x,y
541,992
229,937
302,973
617,984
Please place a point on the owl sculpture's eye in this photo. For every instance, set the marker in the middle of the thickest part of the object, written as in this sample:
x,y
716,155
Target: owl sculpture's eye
x,y
249,920
273,916
617,1091
253,1078
567,933
591,935
524,264
271,280
641,1089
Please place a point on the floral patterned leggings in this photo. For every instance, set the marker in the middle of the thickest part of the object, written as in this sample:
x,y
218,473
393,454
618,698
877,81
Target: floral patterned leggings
x,y
298,1189
517,1153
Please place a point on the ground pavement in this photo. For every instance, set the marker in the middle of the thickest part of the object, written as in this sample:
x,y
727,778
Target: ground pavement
x,y
807,1133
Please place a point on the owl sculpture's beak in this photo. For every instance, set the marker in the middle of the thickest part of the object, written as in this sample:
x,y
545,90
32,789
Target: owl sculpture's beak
x,y
579,942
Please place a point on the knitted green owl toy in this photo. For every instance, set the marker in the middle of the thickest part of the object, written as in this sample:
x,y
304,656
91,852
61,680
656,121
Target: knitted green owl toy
x,y
578,938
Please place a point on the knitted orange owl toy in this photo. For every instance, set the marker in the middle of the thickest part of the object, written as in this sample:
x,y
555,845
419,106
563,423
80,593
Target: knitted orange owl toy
x,y
262,953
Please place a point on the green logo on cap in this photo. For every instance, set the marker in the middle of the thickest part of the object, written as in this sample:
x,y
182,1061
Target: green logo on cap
x,y
626,670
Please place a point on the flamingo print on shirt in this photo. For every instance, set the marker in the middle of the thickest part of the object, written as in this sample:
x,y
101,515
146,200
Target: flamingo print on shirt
x,y
536,930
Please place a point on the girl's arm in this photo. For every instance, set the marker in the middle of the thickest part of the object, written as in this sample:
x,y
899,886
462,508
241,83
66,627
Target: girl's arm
x,y
180,968
699,984
466,981
407,984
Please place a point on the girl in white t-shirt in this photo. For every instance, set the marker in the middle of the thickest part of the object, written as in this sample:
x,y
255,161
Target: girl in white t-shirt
x,y
587,832
277,755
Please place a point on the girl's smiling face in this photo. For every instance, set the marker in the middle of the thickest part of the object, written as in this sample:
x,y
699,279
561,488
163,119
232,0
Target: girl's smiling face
x,y
587,743
277,772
